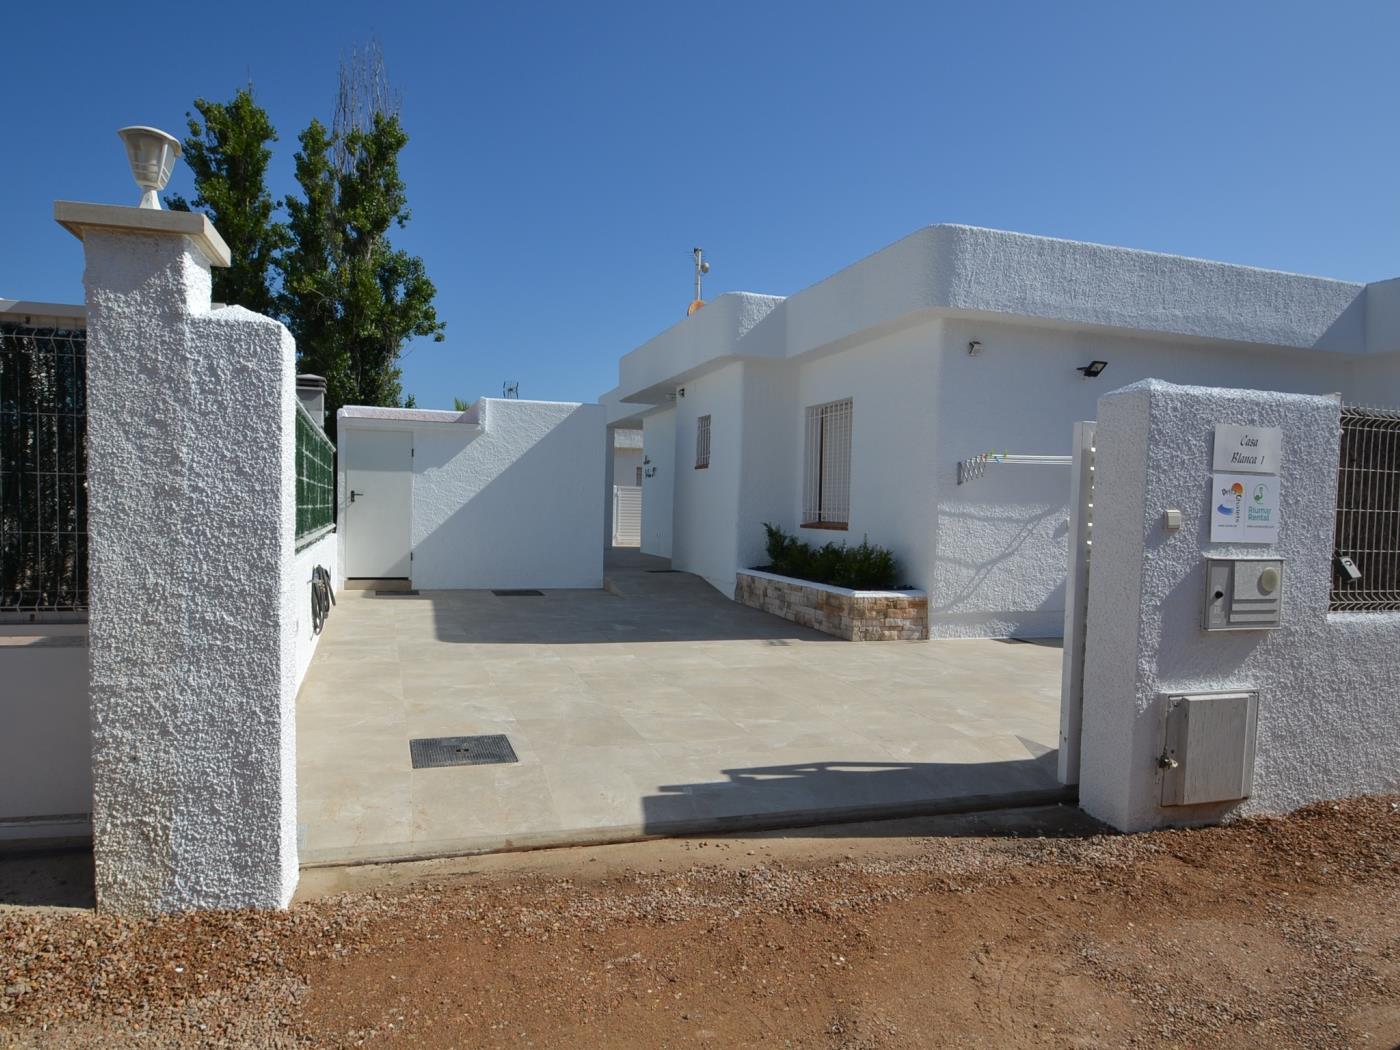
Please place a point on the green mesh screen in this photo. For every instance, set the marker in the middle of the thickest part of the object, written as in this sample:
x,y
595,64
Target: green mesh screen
x,y
315,477
43,469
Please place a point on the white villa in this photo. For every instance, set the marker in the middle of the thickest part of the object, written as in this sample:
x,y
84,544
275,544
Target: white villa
x,y
843,411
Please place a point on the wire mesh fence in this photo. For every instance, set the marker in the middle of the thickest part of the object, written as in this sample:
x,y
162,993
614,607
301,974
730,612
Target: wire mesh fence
x,y
1366,568
315,479
43,470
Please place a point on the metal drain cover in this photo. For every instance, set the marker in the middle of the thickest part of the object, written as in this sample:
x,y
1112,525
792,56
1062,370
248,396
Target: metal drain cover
x,y
430,752
396,594
663,570
518,593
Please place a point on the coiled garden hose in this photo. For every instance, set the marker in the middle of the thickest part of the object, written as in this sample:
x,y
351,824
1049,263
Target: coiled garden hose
x,y
322,597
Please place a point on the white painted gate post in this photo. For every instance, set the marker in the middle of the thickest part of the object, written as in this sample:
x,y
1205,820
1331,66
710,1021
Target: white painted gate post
x,y
191,495
1081,526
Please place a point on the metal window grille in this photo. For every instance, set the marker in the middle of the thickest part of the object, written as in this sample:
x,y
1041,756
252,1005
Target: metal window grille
x,y
826,490
1368,511
43,470
638,482
702,442
315,480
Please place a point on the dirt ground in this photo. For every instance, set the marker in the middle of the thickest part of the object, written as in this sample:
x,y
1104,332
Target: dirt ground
x,y
1009,930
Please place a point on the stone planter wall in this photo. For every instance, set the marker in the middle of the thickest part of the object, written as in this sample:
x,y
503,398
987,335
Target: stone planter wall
x,y
858,616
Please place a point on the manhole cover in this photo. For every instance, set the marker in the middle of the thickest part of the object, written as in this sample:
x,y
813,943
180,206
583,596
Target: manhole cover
x,y
518,594
429,752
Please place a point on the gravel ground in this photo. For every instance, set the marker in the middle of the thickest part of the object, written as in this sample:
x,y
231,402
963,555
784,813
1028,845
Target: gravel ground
x,y
1279,932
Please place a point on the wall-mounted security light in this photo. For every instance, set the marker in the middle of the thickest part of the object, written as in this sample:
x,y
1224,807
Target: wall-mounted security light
x,y
152,155
1093,369
974,348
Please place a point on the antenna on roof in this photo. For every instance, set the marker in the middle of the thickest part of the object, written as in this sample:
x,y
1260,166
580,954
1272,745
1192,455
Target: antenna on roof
x,y
701,268
510,389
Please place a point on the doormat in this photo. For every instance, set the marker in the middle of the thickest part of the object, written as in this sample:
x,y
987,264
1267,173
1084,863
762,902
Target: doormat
x,y
432,752
526,593
396,594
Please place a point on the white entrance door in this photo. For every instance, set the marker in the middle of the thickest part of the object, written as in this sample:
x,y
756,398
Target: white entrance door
x,y
379,475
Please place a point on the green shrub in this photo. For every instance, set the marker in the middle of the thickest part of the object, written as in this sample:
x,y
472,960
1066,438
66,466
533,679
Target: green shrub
x,y
865,567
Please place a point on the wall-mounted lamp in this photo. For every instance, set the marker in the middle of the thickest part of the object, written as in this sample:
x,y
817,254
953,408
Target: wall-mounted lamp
x,y
1092,369
681,392
974,348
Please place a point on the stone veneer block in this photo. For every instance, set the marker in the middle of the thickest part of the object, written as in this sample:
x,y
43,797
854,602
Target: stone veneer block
x,y
857,616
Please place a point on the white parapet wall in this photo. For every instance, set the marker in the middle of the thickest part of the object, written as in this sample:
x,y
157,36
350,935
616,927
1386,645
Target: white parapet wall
x,y
507,494
1328,723
194,590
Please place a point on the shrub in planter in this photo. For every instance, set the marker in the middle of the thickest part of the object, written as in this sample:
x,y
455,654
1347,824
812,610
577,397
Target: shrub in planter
x,y
865,567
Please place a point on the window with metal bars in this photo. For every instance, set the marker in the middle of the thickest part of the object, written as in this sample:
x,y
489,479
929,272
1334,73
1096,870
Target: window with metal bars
x,y
43,471
702,442
826,490
1368,512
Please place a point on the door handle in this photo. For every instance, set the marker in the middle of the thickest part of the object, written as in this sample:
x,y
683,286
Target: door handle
x,y
353,494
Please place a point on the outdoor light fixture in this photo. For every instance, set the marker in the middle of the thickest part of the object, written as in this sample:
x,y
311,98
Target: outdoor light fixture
x,y
974,348
1092,369
152,155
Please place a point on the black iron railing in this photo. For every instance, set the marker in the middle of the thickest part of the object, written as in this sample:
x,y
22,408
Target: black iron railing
x,y
43,470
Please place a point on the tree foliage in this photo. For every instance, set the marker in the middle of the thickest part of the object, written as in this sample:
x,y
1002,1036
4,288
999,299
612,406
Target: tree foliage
x,y
351,299
228,151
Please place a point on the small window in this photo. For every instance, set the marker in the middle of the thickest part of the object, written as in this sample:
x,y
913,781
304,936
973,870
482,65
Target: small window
x,y
702,442
639,477
826,491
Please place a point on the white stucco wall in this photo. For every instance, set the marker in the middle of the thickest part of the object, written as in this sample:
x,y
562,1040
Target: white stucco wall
x,y
514,502
658,490
45,747
625,464
1328,722
705,526
1001,542
191,512
893,385
324,552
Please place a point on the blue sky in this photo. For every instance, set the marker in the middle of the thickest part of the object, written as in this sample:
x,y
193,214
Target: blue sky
x,y
565,159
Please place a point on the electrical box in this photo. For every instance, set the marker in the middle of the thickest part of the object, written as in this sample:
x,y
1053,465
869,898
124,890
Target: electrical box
x,y
1243,594
1209,751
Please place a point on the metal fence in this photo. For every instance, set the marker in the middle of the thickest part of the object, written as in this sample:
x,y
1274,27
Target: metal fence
x,y
315,480
43,470
1368,512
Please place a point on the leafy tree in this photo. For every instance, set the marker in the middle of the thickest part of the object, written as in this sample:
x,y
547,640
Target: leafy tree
x,y
351,299
227,150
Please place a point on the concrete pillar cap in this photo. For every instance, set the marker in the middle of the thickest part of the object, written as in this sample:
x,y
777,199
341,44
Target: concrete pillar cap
x,y
76,217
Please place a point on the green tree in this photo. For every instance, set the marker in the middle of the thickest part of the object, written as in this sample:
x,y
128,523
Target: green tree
x,y
228,151
351,299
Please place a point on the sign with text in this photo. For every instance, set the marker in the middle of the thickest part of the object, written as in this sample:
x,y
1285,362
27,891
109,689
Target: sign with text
x,y
1253,450
1244,508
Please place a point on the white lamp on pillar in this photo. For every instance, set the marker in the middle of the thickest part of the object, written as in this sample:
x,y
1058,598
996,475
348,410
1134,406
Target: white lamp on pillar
x,y
152,155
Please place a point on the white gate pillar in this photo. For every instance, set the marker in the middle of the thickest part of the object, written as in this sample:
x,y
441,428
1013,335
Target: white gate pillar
x,y
191,496
1327,724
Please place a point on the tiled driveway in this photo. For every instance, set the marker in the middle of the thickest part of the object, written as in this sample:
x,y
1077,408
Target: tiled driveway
x,y
660,708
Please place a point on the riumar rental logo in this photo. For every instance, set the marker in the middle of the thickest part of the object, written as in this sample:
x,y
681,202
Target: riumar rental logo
x,y
1235,491
1260,513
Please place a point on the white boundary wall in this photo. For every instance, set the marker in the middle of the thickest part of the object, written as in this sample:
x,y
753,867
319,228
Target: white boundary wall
x,y
509,494
1328,724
